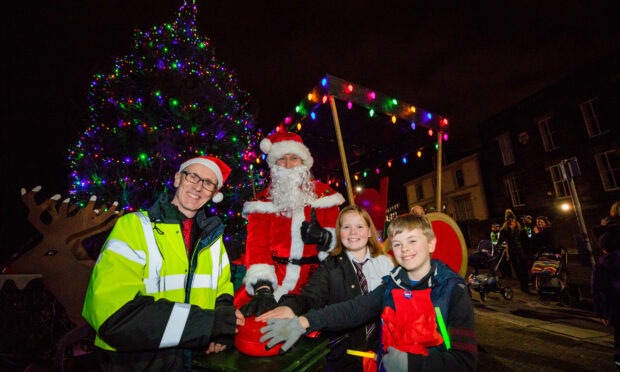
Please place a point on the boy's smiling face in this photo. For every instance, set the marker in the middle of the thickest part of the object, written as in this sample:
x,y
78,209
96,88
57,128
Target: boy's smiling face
x,y
412,251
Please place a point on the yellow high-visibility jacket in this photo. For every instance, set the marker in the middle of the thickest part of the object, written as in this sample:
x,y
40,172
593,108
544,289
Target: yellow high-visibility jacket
x,y
147,295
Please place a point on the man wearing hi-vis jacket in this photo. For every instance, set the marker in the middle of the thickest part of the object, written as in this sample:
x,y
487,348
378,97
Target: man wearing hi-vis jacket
x,y
161,286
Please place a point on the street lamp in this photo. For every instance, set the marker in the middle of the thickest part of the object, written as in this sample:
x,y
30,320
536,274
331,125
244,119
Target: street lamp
x,y
565,207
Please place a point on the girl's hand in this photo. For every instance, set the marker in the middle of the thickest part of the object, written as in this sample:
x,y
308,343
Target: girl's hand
x,y
280,312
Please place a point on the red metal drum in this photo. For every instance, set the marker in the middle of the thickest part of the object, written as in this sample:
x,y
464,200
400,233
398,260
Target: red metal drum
x,y
247,339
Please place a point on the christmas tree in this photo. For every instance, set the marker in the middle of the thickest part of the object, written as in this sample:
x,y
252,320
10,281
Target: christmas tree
x,y
167,101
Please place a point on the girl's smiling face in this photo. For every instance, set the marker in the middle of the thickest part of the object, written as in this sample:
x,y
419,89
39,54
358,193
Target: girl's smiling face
x,y
354,232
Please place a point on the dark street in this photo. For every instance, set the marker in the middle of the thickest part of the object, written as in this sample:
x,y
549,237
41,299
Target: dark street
x,y
526,335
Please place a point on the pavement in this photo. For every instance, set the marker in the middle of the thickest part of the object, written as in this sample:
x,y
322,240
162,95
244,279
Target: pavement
x,y
527,334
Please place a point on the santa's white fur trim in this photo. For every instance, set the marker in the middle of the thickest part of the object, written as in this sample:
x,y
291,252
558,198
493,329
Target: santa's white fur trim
x,y
258,272
328,201
258,207
268,207
288,285
218,197
296,252
281,148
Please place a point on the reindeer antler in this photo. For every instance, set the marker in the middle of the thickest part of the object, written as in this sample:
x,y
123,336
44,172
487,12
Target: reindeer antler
x,y
65,224
60,257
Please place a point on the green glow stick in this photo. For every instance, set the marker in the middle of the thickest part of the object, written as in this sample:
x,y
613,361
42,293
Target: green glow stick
x,y
442,328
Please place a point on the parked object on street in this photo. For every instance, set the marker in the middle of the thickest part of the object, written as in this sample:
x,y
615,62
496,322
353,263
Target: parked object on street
x,y
549,273
489,258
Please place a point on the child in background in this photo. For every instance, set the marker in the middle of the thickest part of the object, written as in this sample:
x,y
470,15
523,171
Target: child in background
x,y
337,279
428,319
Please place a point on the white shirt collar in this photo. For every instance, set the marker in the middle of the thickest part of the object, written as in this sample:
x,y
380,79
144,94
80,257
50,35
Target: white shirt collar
x,y
353,258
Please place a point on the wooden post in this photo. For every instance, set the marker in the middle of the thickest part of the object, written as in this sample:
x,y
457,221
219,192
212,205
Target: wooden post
x,y
252,181
343,157
439,155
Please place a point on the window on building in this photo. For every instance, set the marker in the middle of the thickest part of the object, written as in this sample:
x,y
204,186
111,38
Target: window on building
x,y
608,164
560,185
419,191
546,128
459,179
463,209
592,117
513,191
506,149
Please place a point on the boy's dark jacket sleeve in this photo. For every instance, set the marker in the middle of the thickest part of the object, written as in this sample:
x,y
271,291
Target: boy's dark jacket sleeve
x,y
315,294
348,314
463,353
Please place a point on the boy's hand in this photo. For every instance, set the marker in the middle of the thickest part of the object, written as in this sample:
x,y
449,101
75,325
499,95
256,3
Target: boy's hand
x,y
278,330
395,360
280,312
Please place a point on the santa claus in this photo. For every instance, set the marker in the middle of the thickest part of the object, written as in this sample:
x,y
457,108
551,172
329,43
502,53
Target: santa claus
x,y
290,226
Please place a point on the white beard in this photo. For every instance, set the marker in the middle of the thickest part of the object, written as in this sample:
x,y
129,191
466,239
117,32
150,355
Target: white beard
x,y
291,189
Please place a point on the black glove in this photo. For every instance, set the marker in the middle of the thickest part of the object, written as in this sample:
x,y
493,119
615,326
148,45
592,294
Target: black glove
x,y
224,322
262,300
313,233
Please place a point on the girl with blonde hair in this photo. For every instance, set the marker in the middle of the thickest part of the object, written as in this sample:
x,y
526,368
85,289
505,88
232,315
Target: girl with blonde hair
x,y
354,267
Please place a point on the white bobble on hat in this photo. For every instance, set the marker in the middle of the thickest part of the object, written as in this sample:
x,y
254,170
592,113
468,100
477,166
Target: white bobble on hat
x,y
217,197
265,145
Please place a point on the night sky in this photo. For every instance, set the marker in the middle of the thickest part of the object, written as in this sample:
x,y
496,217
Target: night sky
x,y
466,62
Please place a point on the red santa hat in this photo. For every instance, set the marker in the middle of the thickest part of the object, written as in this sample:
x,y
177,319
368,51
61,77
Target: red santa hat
x,y
278,144
221,170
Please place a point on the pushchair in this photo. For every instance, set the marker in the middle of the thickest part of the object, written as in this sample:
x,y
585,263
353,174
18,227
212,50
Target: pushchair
x,y
549,273
490,258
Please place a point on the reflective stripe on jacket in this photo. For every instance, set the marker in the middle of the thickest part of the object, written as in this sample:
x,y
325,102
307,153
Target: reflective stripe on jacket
x,y
150,259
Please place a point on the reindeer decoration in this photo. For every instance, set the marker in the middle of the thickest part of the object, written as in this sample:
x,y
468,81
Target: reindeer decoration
x,y
60,256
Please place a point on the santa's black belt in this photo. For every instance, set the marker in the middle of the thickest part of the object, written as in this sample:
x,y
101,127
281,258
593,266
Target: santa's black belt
x,y
311,260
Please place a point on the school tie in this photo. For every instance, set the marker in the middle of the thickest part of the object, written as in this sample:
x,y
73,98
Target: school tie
x,y
187,234
361,278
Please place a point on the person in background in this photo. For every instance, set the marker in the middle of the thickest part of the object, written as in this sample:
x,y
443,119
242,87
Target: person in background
x,y
542,238
354,267
528,234
161,286
512,234
494,236
427,315
605,282
505,270
290,226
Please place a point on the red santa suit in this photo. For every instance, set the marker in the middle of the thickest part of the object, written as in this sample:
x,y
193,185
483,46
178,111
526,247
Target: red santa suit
x,y
275,251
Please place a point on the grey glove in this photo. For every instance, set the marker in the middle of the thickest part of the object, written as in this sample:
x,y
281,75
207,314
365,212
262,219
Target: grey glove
x,y
395,360
278,330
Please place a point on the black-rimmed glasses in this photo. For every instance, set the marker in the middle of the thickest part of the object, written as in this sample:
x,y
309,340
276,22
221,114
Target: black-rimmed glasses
x,y
193,178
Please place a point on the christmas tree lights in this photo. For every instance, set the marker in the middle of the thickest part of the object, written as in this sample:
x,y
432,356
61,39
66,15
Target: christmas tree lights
x,y
168,100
